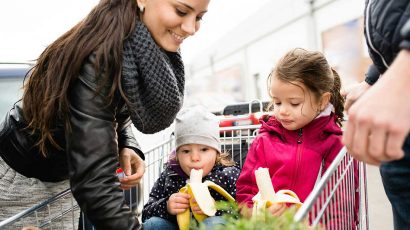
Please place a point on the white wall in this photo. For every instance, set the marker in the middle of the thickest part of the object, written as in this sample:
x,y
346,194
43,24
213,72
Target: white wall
x,y
260,40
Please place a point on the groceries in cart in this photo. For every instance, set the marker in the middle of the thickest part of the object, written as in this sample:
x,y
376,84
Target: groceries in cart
x,y
201,197
267,196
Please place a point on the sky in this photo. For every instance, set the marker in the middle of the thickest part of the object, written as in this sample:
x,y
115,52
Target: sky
x,y
27,26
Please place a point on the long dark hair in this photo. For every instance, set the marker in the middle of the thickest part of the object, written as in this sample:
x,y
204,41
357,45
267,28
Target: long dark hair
x,y
101,33
311,69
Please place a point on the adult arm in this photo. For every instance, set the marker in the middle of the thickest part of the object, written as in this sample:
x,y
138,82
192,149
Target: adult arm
x,y
126,138
131,157
92,152
380,120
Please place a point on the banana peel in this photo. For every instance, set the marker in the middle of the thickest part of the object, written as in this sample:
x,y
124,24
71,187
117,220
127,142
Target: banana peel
x,y
200,196
267,196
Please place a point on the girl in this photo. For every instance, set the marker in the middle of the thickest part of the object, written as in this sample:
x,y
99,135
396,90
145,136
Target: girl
x,y
74,120
303,132
197,147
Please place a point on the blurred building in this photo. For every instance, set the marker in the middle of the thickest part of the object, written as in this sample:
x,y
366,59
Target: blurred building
x,y
236,67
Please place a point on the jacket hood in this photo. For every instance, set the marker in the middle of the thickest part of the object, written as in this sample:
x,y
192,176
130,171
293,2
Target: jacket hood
x,y
320,127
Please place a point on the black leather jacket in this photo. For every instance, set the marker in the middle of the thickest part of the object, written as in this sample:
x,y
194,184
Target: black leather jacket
x,y
387,30
91,149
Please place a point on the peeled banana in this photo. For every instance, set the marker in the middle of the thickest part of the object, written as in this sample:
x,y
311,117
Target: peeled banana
x,y
267,196
200,194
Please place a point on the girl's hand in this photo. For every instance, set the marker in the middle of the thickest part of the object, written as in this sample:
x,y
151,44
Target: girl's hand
x,y
178,203
277,209
133,166
354,92
195,208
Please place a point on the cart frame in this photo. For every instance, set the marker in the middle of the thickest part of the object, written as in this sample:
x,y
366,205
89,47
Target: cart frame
x,y
237,141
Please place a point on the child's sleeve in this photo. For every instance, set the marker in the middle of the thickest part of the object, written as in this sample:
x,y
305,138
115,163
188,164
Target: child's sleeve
x,y
157,203
246,187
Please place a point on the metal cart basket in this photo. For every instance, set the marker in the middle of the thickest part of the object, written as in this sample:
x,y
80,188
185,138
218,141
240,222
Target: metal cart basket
x,y
337,191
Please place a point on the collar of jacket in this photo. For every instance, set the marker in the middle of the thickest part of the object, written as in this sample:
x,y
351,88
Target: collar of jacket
x,y
319,128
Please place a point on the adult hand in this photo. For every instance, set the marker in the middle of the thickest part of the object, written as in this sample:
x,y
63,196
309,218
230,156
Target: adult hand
x,y
353,93
277,209
379,121
133,166
178,203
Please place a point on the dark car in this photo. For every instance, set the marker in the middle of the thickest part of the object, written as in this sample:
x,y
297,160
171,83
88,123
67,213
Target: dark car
x,y
11,83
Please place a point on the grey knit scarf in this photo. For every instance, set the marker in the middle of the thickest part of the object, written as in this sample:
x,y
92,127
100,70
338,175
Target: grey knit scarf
x,y
153,81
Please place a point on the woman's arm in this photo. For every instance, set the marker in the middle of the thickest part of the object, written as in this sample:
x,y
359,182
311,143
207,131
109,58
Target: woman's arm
x,y
92,152
126,138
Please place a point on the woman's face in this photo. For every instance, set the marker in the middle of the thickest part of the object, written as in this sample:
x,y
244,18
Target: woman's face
x,y
171,21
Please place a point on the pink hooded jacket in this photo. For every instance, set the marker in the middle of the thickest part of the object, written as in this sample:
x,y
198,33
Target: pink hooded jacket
x,y
293,158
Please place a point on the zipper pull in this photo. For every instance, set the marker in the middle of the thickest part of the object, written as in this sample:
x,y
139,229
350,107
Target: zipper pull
x,y
300,136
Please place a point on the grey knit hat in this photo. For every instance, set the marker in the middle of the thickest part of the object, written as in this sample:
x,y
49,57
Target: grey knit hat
x,y
196,125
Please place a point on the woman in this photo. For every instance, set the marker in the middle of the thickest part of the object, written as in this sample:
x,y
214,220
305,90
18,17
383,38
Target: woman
x,y
120,64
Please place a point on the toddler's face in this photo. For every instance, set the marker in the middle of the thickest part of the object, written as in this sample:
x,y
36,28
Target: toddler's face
x,y
294,105
196,156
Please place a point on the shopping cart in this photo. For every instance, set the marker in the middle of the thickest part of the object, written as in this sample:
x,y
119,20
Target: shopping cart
x,y
337,183
341,195
50,214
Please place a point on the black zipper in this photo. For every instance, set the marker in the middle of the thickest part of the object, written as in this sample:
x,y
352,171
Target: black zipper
x,y
300,136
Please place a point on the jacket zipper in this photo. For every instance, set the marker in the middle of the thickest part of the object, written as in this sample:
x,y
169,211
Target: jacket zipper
x,y
298,156
368,34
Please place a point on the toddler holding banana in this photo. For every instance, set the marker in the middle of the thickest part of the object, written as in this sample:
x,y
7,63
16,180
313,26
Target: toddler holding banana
x,y
197,149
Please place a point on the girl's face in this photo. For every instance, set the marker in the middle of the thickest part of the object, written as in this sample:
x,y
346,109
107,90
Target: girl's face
x,y
195,156
294,105
171,21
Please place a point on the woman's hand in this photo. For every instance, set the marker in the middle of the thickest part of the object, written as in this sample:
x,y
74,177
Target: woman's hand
x,y
178,203
133,166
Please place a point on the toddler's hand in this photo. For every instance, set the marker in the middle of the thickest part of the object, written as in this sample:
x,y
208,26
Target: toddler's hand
x,y
178,203
277,209
195,208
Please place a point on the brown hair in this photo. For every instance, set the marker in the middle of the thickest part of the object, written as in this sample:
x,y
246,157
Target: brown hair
x,y
224,159
101,33
312,70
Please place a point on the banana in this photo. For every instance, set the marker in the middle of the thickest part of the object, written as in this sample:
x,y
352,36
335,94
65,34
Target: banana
x,y
267,196
200,194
